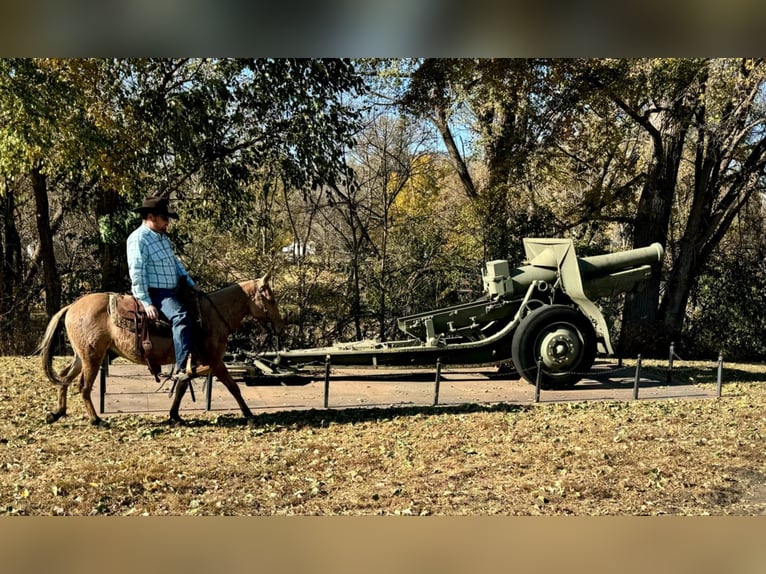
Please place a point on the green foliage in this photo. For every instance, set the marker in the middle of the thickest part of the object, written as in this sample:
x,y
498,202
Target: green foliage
x,y
259,153
48,118
727,311
221,121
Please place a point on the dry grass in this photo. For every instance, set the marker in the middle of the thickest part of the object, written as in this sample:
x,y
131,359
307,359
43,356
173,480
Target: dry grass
x,y
682,457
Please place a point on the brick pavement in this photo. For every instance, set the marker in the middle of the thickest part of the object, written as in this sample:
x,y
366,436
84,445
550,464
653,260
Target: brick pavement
x,y
131,389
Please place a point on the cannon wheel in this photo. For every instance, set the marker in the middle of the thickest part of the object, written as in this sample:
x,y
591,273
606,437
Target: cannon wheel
x,y
562,337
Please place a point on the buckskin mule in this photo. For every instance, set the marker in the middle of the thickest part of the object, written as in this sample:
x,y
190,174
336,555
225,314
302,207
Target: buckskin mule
x,y
92,333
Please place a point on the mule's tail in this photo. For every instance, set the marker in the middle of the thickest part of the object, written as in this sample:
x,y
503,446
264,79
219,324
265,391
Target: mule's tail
x,y
66,375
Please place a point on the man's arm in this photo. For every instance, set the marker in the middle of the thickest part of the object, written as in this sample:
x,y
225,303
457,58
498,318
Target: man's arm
x,y
139,283
182,272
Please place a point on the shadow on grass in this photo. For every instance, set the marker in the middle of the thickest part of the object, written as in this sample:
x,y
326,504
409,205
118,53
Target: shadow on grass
x,y
321,418
696,375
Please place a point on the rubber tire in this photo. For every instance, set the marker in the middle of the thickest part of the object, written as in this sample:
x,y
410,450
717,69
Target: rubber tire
x,y
530,334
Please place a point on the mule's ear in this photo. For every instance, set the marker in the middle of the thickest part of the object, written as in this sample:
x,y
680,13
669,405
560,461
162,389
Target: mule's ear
x,y
266,278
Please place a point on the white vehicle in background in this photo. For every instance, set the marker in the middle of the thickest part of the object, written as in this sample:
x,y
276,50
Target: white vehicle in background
x,y
299,249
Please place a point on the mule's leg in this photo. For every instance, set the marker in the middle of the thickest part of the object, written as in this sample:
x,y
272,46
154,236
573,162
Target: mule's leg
x,y
181,387
88,376
223,375
67,374
53,416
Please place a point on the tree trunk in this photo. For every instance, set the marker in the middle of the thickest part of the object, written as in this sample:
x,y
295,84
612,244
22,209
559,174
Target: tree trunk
x,y
689,260
382,273
12,272
51,278
114,268
356,301
502,164
642,330
712,211
13,307
356,297
440,121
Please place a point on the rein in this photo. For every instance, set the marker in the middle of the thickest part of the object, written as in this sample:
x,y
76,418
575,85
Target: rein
x,y
216,309
259,302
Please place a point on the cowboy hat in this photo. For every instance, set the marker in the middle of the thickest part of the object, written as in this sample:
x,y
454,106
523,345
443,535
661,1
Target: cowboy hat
x,y
157,206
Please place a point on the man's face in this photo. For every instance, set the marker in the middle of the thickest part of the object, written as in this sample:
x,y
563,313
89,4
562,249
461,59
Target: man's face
x,y
158,223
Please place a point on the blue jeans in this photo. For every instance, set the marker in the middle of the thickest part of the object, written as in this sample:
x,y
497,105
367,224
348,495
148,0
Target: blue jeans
x,y
165,300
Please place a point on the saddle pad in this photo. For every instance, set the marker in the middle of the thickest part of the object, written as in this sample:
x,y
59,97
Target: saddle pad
x,y
127,313
123,310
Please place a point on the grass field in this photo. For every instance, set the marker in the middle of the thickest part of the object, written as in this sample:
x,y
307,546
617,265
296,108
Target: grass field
x,y
676,456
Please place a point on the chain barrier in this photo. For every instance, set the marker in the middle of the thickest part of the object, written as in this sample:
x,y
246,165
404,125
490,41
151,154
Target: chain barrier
x,y
672,355
538,376
621,368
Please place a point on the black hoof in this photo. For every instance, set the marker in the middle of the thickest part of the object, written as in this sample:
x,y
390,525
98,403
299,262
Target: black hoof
x,y
99,422
52,417
177,422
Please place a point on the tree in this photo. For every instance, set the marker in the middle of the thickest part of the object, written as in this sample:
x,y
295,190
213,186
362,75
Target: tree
x,y
42,127
382,243
650,116
711,113
513,108
729,158
110,131
213,132
725,313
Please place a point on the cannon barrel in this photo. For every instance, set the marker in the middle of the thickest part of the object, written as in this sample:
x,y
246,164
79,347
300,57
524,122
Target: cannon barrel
x,y
600,274
597,265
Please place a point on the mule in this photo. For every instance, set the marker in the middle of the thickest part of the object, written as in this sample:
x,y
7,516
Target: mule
x,y
92,333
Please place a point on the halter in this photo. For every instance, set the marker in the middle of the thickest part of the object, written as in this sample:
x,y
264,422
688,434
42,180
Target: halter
x,y
259,300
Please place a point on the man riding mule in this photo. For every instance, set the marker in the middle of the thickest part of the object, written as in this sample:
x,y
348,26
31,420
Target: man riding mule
x,y
156,274
93,331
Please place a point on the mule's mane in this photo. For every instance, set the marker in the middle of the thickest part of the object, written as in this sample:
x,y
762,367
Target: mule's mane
x,y
249,286
236,291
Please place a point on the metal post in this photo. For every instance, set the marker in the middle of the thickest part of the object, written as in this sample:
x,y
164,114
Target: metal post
x,y
538,380
437,381
720,375
208,390
637,378
326,380
670,361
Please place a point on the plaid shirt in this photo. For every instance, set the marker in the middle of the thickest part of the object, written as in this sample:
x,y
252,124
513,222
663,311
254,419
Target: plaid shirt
x,y
153,264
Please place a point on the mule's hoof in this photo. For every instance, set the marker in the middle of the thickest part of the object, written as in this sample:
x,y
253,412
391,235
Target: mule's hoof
x,y
52,417
251,421
99,422
177,422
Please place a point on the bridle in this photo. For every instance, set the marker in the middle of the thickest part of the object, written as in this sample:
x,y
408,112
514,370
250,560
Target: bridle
x,y
262,293
259,303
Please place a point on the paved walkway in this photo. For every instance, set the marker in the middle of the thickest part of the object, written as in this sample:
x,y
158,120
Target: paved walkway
x,y
131,389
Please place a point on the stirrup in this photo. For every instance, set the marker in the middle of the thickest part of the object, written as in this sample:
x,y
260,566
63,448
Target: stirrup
x,y
196,370
181,377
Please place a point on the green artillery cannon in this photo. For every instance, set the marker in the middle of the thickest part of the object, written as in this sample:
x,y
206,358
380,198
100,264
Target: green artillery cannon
x,y
540,312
